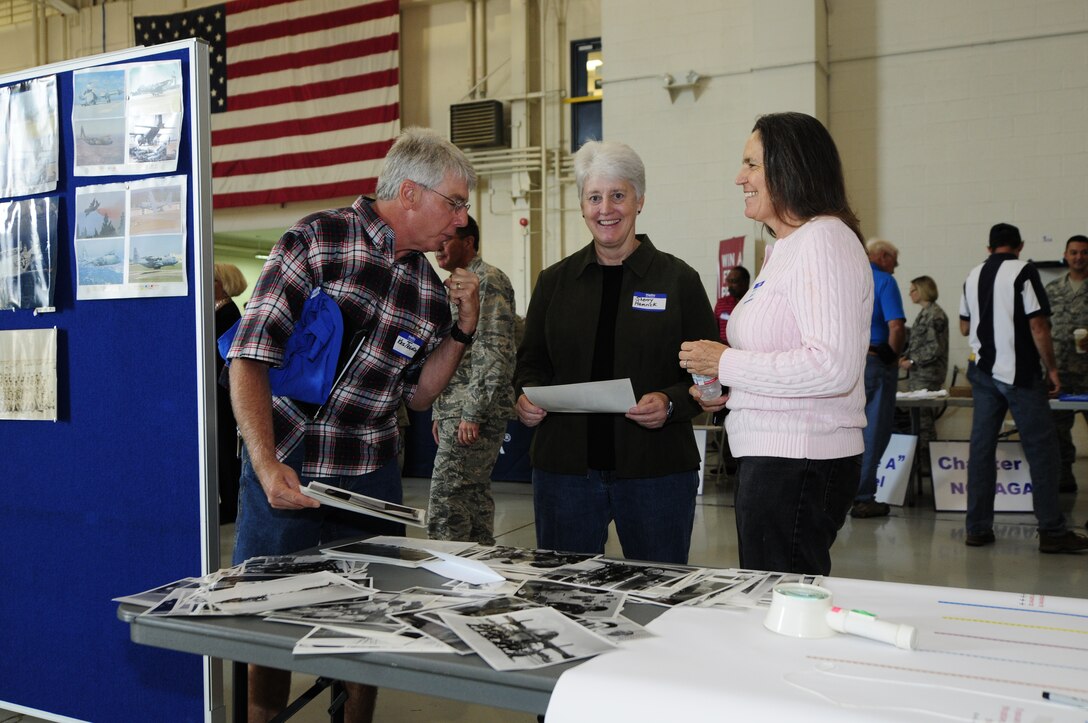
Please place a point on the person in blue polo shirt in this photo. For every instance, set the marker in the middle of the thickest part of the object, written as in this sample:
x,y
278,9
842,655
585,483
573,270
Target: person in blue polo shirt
x,y
887,337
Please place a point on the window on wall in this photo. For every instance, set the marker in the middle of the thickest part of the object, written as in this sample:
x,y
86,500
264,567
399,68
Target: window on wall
x,y
586,74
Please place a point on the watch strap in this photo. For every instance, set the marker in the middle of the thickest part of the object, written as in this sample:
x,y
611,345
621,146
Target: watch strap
x,y
461,336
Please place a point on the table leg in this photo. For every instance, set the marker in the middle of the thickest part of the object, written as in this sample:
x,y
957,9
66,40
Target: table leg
x,y
239,697
915,486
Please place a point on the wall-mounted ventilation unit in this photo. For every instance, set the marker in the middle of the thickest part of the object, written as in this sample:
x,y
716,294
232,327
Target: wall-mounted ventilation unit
x,y
478,124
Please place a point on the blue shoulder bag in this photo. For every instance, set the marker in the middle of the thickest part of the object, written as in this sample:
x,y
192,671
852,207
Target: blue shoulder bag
x,y
310,356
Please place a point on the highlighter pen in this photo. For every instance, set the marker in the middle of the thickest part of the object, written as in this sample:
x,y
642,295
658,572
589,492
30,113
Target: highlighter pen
x,y
865,624
1066,700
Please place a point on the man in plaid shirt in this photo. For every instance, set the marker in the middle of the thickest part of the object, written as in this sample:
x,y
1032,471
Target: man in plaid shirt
x,y
369,258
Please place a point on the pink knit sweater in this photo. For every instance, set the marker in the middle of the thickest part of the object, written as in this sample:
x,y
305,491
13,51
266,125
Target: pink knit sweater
x,y
798,341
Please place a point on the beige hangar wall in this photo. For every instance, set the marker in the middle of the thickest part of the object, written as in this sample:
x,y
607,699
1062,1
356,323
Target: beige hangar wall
x,y
953,116
950,115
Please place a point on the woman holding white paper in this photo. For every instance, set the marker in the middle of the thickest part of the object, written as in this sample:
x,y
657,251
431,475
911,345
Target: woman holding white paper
x,y
618,308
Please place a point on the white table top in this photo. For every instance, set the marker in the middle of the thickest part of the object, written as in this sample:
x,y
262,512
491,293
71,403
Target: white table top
x,y
980,656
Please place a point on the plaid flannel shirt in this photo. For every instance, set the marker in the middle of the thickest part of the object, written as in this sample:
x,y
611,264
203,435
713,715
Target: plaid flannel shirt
x,y
349,252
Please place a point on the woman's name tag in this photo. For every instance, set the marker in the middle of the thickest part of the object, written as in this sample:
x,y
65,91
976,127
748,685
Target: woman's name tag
x,y
642,301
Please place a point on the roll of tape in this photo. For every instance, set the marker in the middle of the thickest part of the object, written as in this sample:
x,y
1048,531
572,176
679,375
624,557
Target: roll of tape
x,y
799,611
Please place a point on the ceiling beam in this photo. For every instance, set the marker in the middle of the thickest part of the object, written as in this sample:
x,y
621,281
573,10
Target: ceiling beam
x,y
61,6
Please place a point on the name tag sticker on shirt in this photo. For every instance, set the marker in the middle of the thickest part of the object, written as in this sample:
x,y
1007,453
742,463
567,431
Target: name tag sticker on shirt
x,y
752,293
407,345
642,301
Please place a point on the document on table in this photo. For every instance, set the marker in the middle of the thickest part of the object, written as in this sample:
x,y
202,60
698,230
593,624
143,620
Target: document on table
x,y
615,396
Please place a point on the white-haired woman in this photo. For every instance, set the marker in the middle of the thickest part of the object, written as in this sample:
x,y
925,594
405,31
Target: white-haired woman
x,y
618,308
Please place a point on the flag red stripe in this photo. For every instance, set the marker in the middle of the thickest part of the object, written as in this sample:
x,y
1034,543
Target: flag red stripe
x,y
245,6
317,56
309,24
313,91
292,194
295,161
307,126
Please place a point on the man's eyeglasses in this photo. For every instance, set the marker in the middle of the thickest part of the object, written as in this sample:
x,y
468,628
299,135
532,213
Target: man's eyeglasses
x,y
455,206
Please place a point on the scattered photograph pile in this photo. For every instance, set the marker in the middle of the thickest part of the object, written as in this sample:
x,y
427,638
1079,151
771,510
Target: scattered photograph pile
x,y
549,608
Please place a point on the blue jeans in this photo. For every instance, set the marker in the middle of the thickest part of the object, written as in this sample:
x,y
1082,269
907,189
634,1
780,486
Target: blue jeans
x,y
654,515
262,530
789,511
880,384
1031,412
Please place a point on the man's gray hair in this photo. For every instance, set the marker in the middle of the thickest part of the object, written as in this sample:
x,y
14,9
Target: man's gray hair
x,y
423,156
609,159
877,246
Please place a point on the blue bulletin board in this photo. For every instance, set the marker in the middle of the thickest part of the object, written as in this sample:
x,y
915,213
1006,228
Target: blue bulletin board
x,y
117,495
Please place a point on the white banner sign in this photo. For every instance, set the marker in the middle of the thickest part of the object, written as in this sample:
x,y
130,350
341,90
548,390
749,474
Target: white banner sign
x,y
893,474
949,463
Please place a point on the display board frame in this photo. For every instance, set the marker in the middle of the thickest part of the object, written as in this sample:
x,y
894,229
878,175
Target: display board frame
x,y
127,469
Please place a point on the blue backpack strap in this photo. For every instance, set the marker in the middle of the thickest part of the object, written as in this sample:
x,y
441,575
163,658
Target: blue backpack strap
x,y
224,341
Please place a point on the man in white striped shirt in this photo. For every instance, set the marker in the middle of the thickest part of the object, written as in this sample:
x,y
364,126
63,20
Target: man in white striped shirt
x,y
1005,312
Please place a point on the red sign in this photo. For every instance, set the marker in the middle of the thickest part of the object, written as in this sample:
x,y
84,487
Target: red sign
x,y
730,254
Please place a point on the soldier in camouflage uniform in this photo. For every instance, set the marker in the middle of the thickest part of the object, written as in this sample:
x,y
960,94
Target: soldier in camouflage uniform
x,y
469,417
1069,310
926,356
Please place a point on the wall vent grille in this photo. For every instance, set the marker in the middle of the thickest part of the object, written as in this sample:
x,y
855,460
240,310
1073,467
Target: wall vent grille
x,y
478,124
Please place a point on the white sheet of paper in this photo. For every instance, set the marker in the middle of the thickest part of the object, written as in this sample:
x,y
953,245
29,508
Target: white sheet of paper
x,y
614,396
458,568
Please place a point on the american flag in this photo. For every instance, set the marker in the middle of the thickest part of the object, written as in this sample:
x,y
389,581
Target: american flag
x,y
304,94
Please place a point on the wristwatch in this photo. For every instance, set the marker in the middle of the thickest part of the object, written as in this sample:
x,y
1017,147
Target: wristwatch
x,y
669,410
461,336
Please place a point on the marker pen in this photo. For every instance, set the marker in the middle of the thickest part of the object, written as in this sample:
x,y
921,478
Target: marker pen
x,y
1066,700
866,625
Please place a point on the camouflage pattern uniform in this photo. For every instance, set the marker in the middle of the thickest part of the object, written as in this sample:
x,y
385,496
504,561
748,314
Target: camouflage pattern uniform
x,y
1068,311
480,391
928,350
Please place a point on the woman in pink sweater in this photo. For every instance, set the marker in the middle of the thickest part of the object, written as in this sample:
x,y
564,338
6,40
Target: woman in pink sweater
x,y
796,352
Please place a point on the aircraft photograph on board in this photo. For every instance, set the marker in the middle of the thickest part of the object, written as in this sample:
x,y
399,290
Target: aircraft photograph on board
x,y
99,142
100,262
151,138
98,93
158,87
100,214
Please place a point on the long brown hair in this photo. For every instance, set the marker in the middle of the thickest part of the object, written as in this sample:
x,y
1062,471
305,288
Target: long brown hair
x,y
803,169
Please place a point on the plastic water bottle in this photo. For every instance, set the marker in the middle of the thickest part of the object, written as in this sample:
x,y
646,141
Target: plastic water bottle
x,y
709,388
